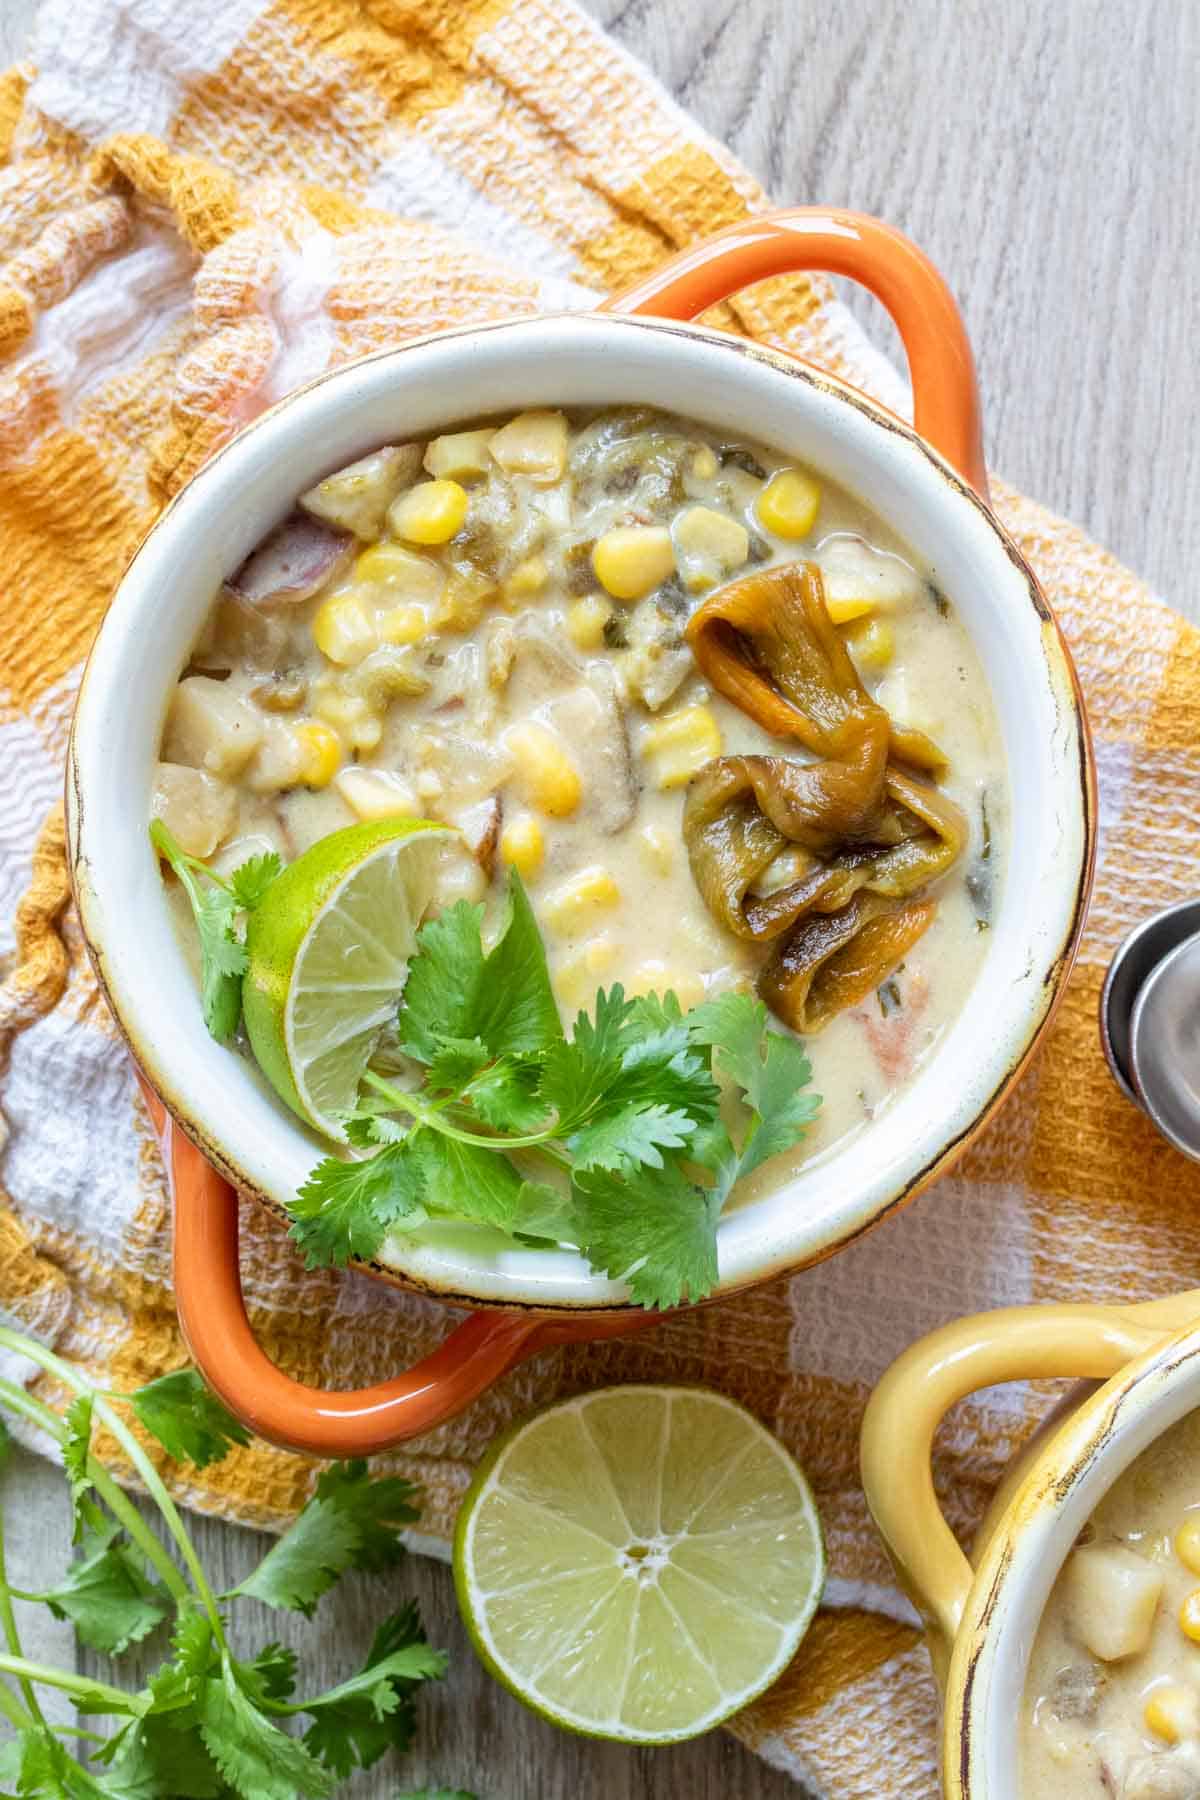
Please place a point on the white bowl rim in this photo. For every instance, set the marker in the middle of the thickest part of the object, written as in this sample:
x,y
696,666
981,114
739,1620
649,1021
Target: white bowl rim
x,y
231,1119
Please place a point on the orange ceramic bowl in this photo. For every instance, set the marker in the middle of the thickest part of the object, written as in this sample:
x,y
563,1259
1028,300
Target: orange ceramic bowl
x,y
927,483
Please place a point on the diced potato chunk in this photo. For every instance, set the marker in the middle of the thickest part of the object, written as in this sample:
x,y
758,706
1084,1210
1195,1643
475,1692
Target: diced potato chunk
x,y
858,579
533,444
680,744
357,498
1112,1596
210,726
343,629
460,455
708,544
631,560
390,572
196,809
567,908
543,769
281,759
376,794
528,578
658,849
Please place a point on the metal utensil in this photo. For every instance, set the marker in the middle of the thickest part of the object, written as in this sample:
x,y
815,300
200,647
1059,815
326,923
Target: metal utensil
x,y
1164,1046
1142,952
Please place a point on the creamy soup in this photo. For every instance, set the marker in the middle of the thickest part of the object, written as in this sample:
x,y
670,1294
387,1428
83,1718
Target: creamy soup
x,y
502,629
1112,1702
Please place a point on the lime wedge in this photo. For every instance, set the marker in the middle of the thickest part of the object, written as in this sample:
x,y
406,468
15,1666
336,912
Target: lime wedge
x,y
638,1563
328,949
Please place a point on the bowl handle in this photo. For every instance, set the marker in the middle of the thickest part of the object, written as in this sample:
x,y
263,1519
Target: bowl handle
x,y
357,1422
945,392
1011,1344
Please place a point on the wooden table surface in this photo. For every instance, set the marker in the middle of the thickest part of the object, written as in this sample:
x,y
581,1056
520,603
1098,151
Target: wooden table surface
x,y
1046,153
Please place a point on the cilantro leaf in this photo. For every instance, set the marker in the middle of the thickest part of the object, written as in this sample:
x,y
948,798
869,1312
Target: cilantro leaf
x,y
255,1758
380,1508
366,1129
306,1561
577,1071
516,1010
771,1069
456,991
272,1674
456,1061
222,955
77,1447
660,1238
251,879
545,1215
357,1721
444,978
469,1181
187,1418
161,1760
346,1209
107,1595
351,1522
437,1794
632,1135
506,1096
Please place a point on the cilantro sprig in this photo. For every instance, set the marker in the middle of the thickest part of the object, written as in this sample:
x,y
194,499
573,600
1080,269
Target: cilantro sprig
x,y
208,1724
216,902
607,1138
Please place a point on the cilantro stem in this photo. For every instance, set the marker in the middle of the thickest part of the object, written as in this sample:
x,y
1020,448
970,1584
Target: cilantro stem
x,y
426,1114
13,1711
12,1636
153,1481
84,1686
114,1497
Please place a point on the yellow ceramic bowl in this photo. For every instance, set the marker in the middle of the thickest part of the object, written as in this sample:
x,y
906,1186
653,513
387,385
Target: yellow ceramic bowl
x,y
981,1620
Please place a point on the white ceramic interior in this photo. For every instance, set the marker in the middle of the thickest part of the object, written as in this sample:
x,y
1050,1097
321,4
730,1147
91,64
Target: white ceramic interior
x,y
578,360
1080,1462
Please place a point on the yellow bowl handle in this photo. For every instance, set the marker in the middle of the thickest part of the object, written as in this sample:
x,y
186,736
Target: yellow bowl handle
x,y
1012,1344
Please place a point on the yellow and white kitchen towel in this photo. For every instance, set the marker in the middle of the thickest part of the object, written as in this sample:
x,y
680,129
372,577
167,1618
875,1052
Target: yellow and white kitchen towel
x,y
201,206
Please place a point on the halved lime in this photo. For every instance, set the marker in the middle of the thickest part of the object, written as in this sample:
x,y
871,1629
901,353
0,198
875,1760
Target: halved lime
x,y
328,949
638,1563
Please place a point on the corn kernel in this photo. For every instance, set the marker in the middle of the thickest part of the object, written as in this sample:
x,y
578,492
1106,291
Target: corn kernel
x,y
429,785
375,793
392,567
566,909
545,771
322,749
631,560
704,463
528,578
429,513
705,536
586,621
844,611
522,846
342,630
533,444
1187,1542
577,977
657,977
1189,1616
658,849
1172,1712
788,504
873,643
459,455
680,744
366,734
403,624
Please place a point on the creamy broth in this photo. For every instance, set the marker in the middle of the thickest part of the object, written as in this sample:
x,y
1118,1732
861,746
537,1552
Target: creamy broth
x,y
496,682
1112,1700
